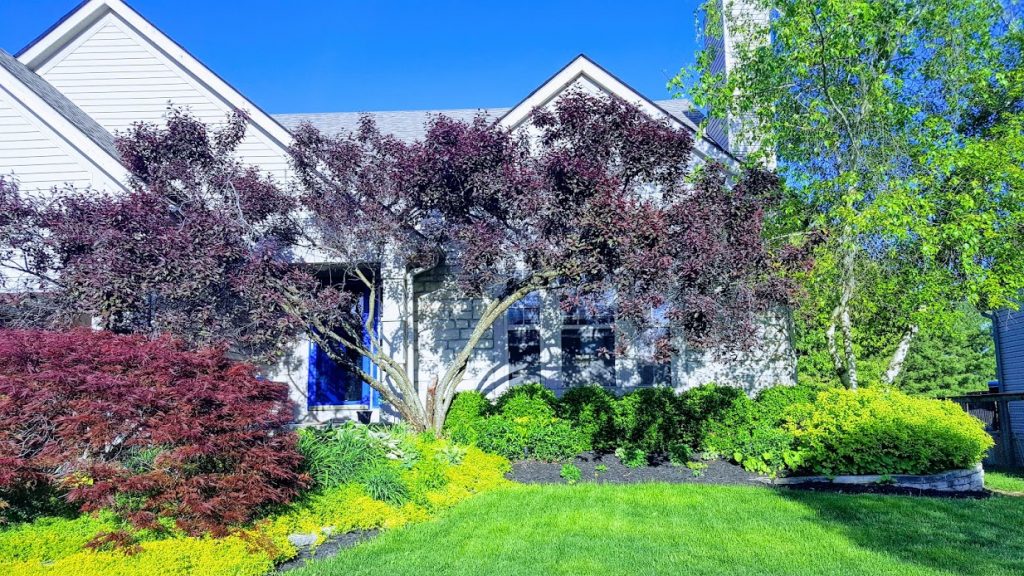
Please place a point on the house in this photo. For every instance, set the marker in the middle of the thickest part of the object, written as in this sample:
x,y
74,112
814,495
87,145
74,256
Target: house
x,y
1008,336
104,66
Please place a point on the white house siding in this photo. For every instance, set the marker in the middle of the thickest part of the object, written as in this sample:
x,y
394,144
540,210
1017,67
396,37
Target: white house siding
x,y
37,157
443,326
729,131
770,361
119,78
1009,329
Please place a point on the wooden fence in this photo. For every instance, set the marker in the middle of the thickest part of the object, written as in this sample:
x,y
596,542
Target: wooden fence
x,y
993,409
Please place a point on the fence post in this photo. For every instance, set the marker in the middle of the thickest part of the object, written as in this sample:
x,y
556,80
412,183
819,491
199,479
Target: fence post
x,y
1005,434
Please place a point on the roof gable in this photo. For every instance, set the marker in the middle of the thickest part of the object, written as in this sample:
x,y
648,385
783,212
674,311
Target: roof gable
x,y
584,72
38,55
46,111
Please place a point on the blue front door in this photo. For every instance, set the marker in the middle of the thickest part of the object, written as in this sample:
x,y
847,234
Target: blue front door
x,y
334,384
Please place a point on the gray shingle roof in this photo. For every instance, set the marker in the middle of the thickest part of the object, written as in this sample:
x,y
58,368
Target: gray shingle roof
x,y
410,125
406,125
56,100
680,108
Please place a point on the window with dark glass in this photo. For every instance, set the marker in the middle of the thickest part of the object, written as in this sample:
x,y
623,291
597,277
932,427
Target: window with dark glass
x,y
651,372
588,346
524,339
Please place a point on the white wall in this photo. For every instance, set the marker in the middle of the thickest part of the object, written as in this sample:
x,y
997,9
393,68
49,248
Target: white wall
x,y
118,77
38,157
739,19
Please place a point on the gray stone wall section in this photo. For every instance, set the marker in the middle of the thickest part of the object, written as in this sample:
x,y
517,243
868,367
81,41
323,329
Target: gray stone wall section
x,y
444,324
967,480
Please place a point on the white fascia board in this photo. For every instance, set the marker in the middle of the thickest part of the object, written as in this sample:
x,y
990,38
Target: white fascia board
x,y
583,67
90,152
43,49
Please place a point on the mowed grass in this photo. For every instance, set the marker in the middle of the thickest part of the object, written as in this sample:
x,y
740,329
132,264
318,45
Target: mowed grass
x,y
1005,480
697,530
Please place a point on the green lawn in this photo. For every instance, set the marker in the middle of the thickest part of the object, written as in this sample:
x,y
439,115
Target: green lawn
x,y
697,530
1005,480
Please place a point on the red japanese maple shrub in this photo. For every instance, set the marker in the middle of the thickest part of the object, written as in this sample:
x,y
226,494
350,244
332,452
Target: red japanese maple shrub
x,y
144,427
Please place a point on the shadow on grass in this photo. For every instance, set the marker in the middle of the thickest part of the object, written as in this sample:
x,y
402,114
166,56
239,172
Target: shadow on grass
x,y
971,537
1005,480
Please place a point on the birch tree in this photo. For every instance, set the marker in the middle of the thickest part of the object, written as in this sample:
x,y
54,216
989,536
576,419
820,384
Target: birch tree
x,y
896,126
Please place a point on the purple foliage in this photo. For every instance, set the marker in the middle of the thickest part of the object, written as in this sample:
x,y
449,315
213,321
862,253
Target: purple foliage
x,y
595,198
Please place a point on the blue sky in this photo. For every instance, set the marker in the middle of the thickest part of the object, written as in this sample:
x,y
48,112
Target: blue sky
x,y
325,56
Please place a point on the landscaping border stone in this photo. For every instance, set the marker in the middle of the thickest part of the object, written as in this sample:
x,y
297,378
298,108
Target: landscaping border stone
x,y
330,547
967,480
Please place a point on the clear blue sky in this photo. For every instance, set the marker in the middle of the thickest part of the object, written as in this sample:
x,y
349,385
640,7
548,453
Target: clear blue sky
x,y
326,56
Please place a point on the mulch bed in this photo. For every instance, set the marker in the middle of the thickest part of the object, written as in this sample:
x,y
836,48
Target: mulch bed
x,y
717,472
328,549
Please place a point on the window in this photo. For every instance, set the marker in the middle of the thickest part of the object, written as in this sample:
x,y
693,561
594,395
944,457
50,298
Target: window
x,y
332,383
653,373
524,339
588,346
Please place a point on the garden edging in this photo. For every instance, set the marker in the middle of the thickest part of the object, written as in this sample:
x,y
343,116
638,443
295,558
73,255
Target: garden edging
x,y
966,480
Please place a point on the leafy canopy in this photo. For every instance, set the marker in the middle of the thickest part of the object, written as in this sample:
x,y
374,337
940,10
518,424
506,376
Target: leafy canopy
x,y
896,125
592,198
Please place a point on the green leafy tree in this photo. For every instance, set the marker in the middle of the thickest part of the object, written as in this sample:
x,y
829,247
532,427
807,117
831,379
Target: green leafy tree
x,y
951,362
897,126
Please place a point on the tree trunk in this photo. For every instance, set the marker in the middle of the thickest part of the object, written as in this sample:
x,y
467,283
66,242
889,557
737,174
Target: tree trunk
x,y
851,359
845,322
833,349
899,357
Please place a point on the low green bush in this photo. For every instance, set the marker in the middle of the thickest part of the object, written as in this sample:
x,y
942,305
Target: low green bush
x,y
571,473
521,424
650,420
701,406
591,409
501,436
466,411
750,432
553,440
525,406
533,391
548,439
631,457
880,431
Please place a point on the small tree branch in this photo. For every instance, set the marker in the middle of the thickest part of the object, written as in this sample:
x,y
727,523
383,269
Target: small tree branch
x,y
900,355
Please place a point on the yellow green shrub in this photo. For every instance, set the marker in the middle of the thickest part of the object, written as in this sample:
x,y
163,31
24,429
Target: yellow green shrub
x,y
881,431
443,476
230,556
48,539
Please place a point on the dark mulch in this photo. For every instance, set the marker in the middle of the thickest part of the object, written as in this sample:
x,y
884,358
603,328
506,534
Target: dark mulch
x,y
717,472
329,548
